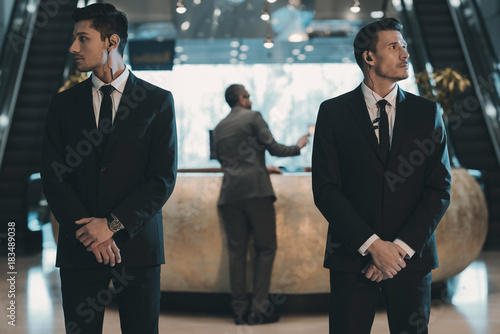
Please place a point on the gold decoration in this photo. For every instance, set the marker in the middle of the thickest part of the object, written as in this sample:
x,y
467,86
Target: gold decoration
x,y
73,80
447,83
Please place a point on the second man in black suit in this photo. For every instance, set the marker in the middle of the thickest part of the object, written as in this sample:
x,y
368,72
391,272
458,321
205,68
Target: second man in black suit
x,y
381,178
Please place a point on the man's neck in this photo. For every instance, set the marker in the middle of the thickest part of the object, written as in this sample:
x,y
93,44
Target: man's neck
x,y
107,75
381,87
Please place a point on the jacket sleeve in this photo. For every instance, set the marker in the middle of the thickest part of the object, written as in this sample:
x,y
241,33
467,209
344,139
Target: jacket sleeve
x,y
149,197
63,201
264,135
435,197
327,186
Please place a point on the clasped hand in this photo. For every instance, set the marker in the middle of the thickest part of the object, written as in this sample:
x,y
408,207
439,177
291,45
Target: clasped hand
x,y
387,258
97,237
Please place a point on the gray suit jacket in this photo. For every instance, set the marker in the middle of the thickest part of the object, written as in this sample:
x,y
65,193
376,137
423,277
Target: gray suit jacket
x,y
241,141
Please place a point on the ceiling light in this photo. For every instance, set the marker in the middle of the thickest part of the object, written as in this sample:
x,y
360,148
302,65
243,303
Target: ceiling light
x,y
271,1
181,8
265,15
298,37
309,48
355,8
377,14
268,43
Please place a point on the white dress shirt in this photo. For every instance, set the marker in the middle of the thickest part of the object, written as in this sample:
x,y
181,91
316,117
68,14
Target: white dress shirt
x,y
116,96
371,99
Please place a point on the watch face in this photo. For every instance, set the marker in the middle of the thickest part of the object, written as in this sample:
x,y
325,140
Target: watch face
x,y
114,226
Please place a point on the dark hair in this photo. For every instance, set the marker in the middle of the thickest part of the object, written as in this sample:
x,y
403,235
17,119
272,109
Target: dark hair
x,y
233,93
106,19
367,37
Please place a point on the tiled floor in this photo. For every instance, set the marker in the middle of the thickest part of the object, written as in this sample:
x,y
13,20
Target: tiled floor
x,y
475,308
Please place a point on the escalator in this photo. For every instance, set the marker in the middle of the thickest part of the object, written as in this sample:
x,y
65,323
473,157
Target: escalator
x,y
435,39
42,77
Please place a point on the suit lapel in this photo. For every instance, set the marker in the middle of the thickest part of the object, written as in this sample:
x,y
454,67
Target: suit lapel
x,y
400,124
86,106
123,112
360,112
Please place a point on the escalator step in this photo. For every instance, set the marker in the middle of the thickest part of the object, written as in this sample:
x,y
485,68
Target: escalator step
x,y
11,205
48,50
33,100
42,74
37,61
473,149
23,158
15,173
425,9
33,114
493,178
481,163
28,127
10,189
443,42
40,87
25,142
435,20
13,217
471,133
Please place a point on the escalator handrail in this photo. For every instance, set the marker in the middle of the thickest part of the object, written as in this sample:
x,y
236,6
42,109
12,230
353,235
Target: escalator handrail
x,y
13,60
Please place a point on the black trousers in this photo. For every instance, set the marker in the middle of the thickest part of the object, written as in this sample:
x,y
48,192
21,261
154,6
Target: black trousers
x,y
354,299
85,294
256,217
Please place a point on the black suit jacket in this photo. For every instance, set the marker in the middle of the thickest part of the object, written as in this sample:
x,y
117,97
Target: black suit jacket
x,y
360,195
132,178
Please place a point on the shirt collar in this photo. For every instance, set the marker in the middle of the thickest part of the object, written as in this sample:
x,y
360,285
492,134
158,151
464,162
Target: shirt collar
x,y
371,98
118,84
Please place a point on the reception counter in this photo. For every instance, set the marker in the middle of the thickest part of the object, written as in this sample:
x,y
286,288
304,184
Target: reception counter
x,y
196,248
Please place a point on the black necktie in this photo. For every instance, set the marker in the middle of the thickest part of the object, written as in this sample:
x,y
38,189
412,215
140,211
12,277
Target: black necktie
x,y
383,131
105,113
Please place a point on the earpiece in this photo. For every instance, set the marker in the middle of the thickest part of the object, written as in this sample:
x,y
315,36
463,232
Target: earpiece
x,y
368,57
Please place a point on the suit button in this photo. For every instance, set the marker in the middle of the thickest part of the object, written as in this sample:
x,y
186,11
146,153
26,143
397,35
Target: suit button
x,y
104,168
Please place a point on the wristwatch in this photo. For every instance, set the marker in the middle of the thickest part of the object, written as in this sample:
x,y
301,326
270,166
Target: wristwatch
x,y
114,224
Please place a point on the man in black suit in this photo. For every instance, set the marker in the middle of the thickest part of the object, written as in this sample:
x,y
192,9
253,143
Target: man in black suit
x,y
109,166
381,178
247,201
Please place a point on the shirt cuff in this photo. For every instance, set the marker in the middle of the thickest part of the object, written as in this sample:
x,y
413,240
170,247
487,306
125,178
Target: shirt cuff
x,y
409,251
363,250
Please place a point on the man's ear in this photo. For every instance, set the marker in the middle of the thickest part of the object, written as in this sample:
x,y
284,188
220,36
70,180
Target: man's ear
x,y
114,41
368,56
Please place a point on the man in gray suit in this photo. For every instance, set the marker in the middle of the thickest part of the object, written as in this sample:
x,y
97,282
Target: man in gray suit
x,y
246,201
